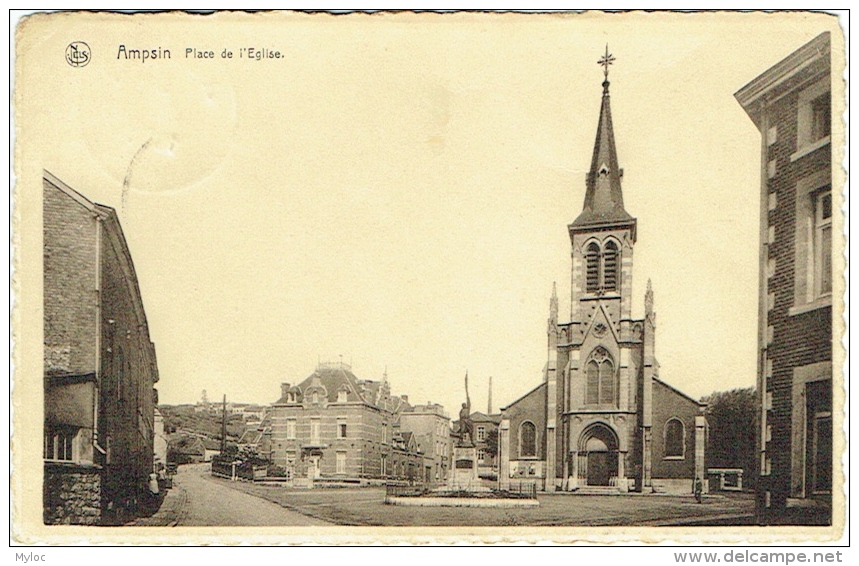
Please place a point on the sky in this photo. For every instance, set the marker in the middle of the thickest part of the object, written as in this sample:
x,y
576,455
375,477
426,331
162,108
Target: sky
x,y
396,189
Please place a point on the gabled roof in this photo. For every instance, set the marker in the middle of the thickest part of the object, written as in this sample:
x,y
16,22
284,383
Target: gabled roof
x,y
479,417
531,392
678,392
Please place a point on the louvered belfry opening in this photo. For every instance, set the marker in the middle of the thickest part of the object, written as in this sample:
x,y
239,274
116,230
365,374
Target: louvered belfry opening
x,y
593,268
610,267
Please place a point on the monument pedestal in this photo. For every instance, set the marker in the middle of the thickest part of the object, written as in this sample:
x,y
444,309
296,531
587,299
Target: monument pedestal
x,y
463,474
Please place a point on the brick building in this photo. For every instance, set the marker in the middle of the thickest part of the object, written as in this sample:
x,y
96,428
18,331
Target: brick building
x,y
602,417
430,425
790,104
336,426
100,366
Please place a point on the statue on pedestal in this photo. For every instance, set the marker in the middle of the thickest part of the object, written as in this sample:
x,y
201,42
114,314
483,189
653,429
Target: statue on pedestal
x,y
466,426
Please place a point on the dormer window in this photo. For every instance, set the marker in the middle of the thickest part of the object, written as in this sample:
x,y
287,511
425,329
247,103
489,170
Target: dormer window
x,y
342,396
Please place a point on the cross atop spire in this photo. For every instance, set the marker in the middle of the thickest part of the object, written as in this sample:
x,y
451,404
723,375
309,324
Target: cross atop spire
x,y
605,61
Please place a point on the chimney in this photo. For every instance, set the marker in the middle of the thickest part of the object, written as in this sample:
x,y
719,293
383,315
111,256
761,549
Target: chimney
x,y
489,404
405,398
284,389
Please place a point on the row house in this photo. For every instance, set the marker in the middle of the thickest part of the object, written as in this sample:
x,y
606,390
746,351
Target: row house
x,y
430,426
791,106
100,366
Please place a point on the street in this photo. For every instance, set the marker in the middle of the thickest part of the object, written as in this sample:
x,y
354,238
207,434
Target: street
x,y
208,502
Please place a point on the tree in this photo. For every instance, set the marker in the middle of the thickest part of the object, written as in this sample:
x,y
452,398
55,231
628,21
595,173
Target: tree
x,y
731,419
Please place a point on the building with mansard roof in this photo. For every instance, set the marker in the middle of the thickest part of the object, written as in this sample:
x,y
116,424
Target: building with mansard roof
x,y
602,418
333,425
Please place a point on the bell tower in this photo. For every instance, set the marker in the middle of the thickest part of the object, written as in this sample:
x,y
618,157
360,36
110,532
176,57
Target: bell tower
x,y
601,344
603,235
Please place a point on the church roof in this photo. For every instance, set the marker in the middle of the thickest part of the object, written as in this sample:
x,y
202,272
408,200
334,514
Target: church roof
x,y
603,196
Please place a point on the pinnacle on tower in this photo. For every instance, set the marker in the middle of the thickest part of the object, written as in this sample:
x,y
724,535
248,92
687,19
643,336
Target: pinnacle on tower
x,y
648,299
604,197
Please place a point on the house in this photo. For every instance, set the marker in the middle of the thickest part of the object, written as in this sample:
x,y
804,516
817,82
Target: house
x,y
790,104
334,425
160,443
430,425
100,366
602,417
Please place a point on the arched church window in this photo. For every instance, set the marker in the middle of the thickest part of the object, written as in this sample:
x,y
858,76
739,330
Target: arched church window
x,y
592,262
674,438
527,440
593,387
610,267
600,379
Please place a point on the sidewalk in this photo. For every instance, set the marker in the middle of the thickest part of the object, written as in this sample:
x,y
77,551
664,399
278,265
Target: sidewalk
x,y
169,513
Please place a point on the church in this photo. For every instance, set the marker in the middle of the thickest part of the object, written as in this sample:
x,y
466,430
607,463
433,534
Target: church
x,y
602,419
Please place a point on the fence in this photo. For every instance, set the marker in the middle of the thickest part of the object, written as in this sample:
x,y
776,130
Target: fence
x,y
725,479
239,470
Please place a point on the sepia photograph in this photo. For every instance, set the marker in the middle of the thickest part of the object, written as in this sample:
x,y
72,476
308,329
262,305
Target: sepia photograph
x,y
404,276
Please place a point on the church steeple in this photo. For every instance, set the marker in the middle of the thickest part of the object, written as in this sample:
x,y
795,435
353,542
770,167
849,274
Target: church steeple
x,y
604,197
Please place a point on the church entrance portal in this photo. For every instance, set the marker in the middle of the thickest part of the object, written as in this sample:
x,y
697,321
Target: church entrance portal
x,y
598,456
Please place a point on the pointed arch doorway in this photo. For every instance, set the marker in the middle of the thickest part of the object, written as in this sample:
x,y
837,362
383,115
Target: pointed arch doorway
x,y
598,456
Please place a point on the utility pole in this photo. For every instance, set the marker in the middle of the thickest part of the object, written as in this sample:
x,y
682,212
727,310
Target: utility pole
x,y
224,426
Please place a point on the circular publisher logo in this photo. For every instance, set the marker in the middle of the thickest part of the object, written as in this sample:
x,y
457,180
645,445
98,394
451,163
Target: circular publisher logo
x,y
78,54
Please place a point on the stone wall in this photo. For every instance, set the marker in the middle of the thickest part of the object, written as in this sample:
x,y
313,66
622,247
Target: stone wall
x,y
72,496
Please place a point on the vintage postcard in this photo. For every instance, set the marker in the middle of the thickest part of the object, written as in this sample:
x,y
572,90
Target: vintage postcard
x,y
296,277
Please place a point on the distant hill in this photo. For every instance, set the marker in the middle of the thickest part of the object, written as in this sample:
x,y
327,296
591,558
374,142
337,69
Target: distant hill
x,y
183,419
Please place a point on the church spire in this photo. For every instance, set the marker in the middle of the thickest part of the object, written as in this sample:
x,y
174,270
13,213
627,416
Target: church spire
x,y
603,197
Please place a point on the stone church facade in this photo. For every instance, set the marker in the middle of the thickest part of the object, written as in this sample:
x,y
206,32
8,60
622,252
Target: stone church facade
x,y
602,417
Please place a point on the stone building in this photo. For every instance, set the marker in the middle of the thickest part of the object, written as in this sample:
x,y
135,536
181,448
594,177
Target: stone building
x,y
602,417
100,366
333,425
430,425
790,104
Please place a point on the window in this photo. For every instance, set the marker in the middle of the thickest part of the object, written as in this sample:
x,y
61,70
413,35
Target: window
x,y
592,260
601,268
341,462
813,261
314,431
610,267
341,428
821,472
342,395
481,433
674,439
814,119
384,465
59,443
527,440
315,397
600,379
821,116
823,242
290,429
481,454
